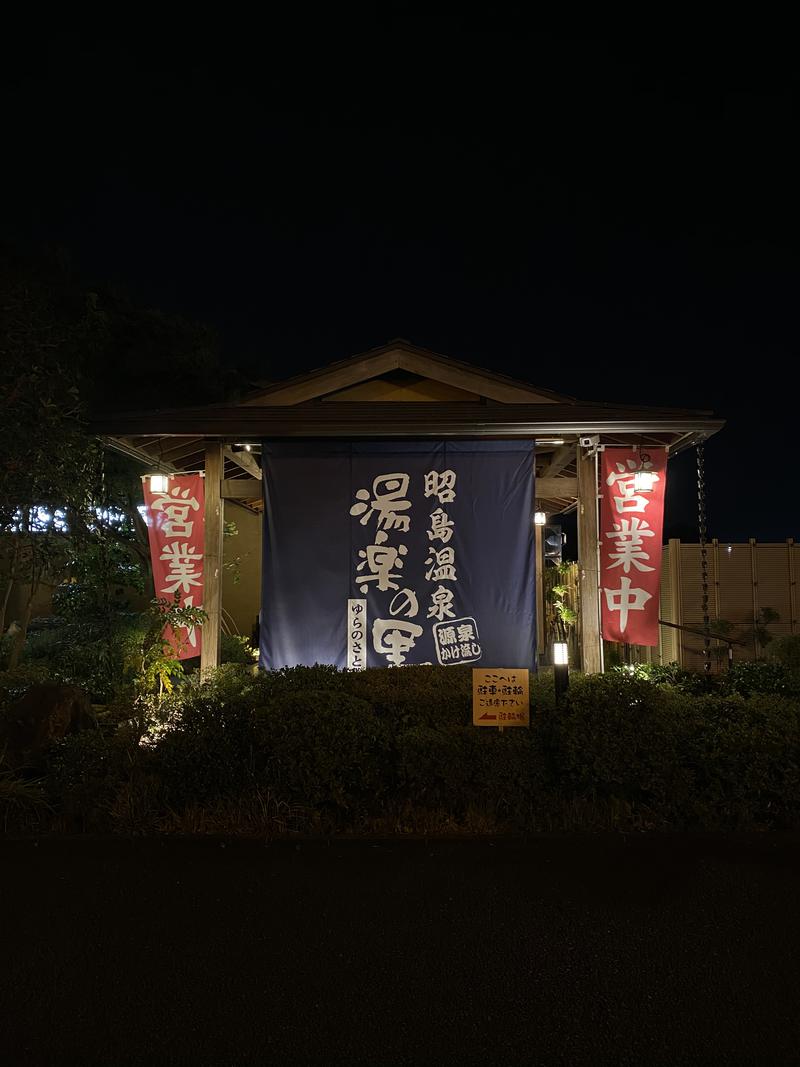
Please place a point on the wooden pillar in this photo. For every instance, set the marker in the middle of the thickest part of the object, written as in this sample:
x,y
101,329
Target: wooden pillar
x,y
756,609
792,587
674,551
212,566
541,622
588,567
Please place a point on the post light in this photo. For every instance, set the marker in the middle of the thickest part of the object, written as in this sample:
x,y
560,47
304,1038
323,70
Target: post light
x,y
159,483
560,669
643,481
540,518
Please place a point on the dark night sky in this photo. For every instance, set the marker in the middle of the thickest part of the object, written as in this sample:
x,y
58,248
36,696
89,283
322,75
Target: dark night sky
x,y
610,217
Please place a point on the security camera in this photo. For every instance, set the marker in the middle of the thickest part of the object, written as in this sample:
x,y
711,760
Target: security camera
x,y
590,442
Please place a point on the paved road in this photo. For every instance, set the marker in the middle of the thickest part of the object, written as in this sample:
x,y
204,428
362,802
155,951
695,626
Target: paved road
x,y
547,951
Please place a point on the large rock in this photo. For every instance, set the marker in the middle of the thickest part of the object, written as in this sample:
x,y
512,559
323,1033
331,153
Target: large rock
x,y
44,714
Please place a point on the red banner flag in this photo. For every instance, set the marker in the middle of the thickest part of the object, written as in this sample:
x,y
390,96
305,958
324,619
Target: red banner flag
x,y
175,520
631,527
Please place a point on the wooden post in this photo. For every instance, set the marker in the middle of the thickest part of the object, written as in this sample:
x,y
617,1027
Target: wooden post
x,y
212,565
792,587
715,561
588,566
540,616
674,551
756,609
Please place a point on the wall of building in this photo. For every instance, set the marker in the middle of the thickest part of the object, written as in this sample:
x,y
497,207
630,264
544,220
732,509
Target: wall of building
x,y
743,579
241,582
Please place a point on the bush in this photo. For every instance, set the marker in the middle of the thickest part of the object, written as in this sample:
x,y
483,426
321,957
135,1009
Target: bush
x,y
761,676
617,738
82,774
90,653
743,677
15,683
237,649
327,750
786,651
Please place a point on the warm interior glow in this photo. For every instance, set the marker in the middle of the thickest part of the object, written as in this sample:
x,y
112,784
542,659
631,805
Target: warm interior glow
x,y
540,519
643,481
159,483
560,653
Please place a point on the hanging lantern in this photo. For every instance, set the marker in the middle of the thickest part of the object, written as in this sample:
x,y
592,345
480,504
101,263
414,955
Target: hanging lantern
x,y
644,481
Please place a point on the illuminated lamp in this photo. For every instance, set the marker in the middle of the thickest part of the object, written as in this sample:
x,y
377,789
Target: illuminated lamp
x,y
644,481
540,518
159,483
560,669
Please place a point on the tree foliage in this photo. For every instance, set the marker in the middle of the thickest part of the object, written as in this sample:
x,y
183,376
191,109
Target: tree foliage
x,y
48,464
68,512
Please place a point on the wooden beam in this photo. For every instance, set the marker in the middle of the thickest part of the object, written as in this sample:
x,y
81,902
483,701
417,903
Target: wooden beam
x,y
352,372
556,488
417,419
327,382
471,381
150,463
564,455
588,567
183,448
212,563
241,489
245,460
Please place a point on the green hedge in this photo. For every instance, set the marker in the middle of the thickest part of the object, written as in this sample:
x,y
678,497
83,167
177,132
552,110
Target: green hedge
x,y
319,750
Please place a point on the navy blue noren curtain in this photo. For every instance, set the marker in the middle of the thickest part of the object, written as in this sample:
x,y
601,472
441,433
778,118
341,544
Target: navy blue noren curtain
x,y
383,553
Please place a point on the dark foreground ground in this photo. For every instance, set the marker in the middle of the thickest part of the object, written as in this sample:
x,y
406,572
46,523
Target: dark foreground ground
x,y
572,951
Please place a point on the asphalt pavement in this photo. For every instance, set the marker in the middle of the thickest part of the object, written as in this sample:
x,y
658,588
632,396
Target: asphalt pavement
x,y
551,950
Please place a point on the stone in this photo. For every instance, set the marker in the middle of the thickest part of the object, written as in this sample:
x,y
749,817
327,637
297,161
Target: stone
x,y
45,713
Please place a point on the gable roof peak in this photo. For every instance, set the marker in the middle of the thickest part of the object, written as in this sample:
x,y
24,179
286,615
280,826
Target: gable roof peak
x,y
401,354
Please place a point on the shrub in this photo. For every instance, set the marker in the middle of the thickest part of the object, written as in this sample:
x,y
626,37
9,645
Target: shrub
x,y
89,653
744,757
786,651
237,649
23,802
617,737
321,749
205,749
14,683
84,772
325,749
761,676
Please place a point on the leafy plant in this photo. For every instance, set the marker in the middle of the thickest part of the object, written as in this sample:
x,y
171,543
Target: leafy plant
x,y
562,611
237,649
786,651
154,663
22,800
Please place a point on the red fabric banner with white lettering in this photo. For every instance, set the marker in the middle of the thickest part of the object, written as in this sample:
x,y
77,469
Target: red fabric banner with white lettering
x,y
175,520
631,527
